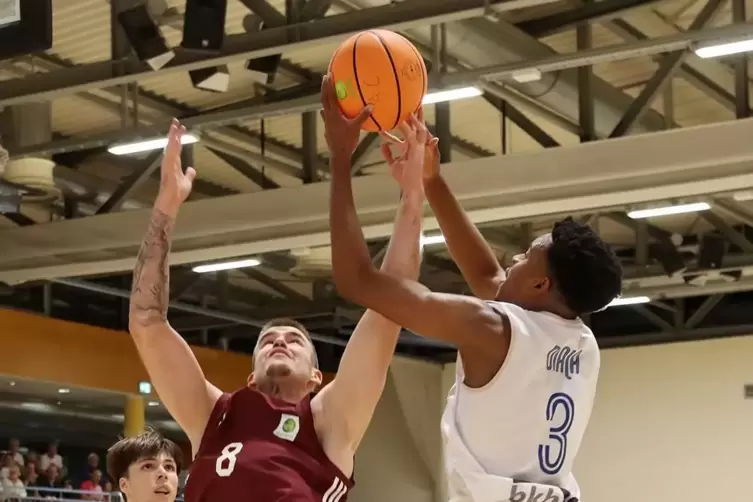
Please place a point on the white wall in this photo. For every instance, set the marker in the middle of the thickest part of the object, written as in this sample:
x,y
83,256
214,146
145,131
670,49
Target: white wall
x,y
670,425
400,456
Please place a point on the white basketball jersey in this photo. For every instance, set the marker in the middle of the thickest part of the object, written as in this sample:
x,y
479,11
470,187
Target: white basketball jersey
x,y
516,438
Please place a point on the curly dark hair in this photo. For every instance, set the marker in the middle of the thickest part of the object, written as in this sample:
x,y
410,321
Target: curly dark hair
x,y
585,269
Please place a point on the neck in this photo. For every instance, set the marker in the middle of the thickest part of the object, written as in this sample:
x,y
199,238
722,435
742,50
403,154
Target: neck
x,y
284,389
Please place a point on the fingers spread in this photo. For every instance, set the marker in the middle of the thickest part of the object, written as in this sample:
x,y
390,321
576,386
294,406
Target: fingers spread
x,y
420,114
387,153
407,130
390,138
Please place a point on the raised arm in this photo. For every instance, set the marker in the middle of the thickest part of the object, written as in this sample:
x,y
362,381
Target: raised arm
x,y
349,401
468,248
172,366
479,332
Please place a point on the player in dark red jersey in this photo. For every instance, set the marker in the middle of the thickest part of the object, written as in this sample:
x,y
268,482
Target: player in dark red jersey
x,y
270,440
145,467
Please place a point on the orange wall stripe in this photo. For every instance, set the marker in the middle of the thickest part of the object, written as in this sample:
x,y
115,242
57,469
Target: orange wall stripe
x,y
42,348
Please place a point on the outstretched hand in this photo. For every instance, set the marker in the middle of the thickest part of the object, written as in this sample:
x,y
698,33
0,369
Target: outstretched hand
x,y
342,133
175,185
407,168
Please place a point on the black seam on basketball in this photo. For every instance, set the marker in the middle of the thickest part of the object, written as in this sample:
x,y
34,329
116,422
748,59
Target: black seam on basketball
x,y
397,80
358,83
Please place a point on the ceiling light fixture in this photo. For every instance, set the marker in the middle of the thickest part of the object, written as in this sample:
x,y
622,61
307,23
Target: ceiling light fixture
x,y
724,49
64,391
669,210
226,265
428,240
153,403
451,95
629,300
148,145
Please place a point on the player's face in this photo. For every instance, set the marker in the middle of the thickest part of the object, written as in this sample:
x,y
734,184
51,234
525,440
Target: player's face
x,y
284,351
151,480
527,282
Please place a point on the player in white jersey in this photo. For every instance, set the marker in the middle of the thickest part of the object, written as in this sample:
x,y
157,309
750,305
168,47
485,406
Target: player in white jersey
x,y
527,364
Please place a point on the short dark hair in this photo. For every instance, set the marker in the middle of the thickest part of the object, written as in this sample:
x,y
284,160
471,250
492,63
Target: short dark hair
x,y
284,322
585,269
148,444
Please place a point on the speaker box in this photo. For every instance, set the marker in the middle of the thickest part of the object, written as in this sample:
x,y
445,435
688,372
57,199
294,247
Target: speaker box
x,y
25,27
145,37
204,25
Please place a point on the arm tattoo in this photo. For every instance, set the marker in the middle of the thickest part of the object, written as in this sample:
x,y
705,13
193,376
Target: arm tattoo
x,y
150,293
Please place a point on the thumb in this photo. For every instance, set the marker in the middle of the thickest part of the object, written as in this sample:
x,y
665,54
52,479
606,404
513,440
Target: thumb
x,y
190,174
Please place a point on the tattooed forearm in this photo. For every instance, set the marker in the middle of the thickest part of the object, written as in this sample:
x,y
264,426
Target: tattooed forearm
x,y
150,293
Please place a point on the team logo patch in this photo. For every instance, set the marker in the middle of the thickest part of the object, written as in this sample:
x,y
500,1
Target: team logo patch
x,y
288,427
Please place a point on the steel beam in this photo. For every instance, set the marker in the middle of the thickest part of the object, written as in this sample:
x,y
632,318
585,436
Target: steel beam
x,y
681,163
651,47
399,15
705,309
527,125
708,86
362,151
310,148
663,76
591,12
463,78
132,183
730,233
742,81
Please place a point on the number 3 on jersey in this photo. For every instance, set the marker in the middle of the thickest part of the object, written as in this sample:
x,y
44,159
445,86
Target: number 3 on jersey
x,y
225,463
552,456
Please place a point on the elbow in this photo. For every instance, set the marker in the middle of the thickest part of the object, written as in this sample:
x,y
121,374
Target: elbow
x,y
351,284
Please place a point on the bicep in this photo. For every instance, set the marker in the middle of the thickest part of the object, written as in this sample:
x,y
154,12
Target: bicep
x,y
177,378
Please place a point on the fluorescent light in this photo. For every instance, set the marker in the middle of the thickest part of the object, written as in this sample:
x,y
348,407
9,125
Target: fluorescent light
x,y
428,240
148,145
451,95
629,300
64,391
153,403
725,49
667,210
226,265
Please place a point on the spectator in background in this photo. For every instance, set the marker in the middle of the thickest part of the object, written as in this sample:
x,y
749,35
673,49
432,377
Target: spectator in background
x,y
50,458
6,462
93,485
13,487
31,477
50,480
92,464
107,489
14,445
68,485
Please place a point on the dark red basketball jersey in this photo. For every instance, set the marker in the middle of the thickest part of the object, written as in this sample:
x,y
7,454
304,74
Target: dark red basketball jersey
x,y
257,448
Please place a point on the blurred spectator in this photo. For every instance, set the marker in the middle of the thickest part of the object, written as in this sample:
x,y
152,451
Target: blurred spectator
x,y
13,487
32,458
68,485
6,462
31,477
92,464
93,485
107,489
51,478
51,457
14,445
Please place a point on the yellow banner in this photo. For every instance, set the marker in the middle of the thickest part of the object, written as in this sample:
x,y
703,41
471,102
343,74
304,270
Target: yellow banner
x,y
72,354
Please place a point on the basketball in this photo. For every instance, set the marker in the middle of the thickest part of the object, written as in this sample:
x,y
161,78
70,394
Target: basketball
x,y
382,69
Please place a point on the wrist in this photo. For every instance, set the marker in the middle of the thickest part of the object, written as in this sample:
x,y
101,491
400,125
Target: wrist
x,y
166,206
432,180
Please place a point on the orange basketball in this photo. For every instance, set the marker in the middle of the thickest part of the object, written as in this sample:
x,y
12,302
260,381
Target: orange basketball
x,y
379,68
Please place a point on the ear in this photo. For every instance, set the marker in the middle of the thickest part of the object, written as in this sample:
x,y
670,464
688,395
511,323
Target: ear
x,y
124,486
250,381
315,381
543,284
